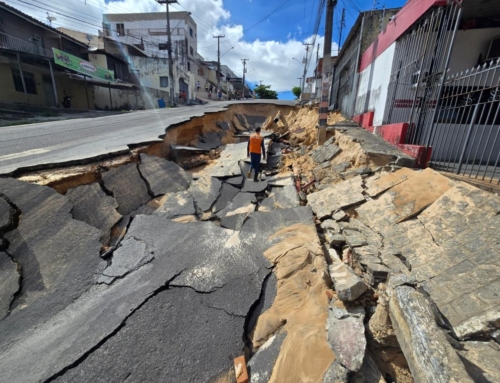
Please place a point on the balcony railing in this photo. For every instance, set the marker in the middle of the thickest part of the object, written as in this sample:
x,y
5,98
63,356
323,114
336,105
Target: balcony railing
x,y
18,45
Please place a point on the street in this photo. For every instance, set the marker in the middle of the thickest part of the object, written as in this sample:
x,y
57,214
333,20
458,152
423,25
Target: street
x,y
78,139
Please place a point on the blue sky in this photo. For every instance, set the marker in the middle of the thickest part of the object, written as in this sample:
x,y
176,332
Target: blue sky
x,y
271,45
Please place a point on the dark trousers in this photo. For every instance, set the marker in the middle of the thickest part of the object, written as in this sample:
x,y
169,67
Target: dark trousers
x,y
255,160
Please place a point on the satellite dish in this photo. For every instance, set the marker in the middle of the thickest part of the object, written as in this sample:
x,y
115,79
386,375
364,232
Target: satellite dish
x,y
51,18
89,37
92,49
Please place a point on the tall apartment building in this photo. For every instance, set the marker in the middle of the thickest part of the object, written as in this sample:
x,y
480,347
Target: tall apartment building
x,y
148,31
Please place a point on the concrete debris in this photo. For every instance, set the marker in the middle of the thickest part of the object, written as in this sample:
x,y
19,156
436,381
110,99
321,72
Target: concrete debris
x,y
174,205
344,194
9,283
205,191
325,152
335,239
163,176
348,285
127,187
282,198
91,205
405,200
376,273
340,215
346,334
341,167
331,225
6,215
429,355
262,363
336,373
368,373
57,255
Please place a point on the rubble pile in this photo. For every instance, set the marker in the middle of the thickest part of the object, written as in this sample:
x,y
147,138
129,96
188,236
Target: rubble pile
x,y
341,264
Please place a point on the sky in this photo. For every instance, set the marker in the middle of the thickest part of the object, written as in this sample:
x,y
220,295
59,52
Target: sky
x,y
270,33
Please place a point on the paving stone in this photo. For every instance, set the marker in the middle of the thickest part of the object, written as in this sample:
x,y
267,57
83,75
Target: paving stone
x,y
282,198
335,239
241,204
57,254
331,225
205,191
377,185
481,361
235,181
91,205
9,283
260,366
348,285
254,187
346,334
341,167
376,273
430,357
405,200
340,216
176,205
127,187
6,215
325,152
341,195
227,193
163,176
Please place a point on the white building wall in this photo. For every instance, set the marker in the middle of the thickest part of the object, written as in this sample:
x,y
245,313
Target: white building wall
x,y
373,86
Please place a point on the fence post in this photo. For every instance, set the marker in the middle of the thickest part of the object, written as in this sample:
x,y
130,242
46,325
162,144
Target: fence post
x,y
467,139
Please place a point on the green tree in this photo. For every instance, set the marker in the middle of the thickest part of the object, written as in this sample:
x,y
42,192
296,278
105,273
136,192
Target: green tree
x,y
265,92
296,91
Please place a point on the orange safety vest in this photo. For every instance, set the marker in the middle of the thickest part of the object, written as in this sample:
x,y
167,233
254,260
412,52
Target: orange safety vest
x,y
255,143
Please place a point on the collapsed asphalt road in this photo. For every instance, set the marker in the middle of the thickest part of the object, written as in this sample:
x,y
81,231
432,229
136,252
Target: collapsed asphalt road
x,y
60,142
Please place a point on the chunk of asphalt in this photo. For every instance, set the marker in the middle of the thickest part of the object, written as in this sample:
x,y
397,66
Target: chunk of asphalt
x,y
266,300
127,187
282,198
240,204
9,283
205,191
260,366
233,222
176,205
210,140
6,215
223,125
234,181
163,176
131,255
348,285
346,335
227,193
147,348
58,255
254,187
93,206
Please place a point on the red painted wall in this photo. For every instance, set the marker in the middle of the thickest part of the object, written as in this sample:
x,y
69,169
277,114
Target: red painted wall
x,y
421,153
394,134
365,120
404,19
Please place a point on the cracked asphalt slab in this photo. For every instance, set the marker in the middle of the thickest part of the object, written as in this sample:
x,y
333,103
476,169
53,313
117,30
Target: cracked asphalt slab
x,y
175,310
73,140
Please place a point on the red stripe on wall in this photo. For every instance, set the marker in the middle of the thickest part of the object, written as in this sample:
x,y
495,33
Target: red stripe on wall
x,y
404,19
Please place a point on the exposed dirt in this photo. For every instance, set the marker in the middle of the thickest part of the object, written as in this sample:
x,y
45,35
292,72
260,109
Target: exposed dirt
x,y
300,307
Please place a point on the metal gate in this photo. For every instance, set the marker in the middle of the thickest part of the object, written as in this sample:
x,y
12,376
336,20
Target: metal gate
x,y
420,62
465,132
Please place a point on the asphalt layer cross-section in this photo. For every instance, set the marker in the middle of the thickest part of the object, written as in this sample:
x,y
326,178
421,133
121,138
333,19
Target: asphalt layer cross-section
x,y
26,146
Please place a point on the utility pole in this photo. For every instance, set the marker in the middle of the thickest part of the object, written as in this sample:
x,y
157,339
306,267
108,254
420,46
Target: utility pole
x,y
244,71
342,25
305,69
218,37
327,68
169,49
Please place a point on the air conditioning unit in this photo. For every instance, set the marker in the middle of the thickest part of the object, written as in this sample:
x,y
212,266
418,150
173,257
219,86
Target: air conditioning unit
x,y
494,49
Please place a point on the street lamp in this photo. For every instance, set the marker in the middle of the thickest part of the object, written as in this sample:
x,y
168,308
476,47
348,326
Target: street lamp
x,y
297,61
227,51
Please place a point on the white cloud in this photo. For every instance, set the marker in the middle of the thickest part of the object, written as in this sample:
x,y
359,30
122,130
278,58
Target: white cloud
x,y
270,61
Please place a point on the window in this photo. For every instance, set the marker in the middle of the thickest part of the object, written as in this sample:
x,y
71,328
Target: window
x,y
191,50
191,32
189,66
29,80
163,82
120,29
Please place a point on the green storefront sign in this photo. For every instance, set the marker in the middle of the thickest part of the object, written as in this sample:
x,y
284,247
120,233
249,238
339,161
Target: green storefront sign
x,y
81,66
